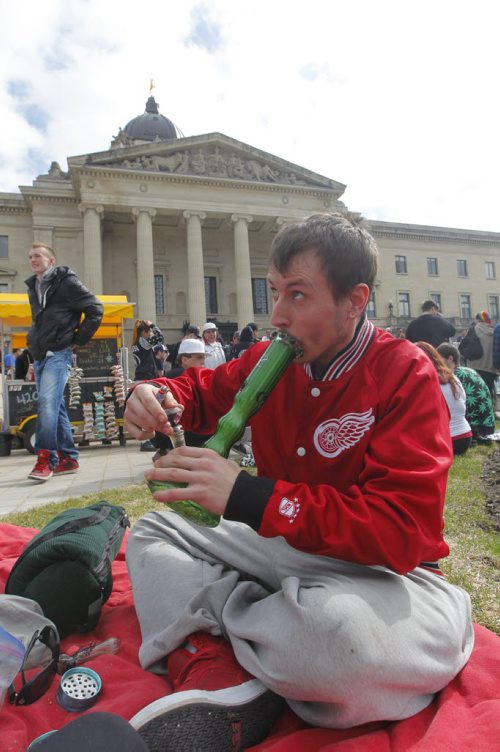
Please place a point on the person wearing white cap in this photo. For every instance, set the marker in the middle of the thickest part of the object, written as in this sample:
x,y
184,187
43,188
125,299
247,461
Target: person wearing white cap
x,y
213,349
191,354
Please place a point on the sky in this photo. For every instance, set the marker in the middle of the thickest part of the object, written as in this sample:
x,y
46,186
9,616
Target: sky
x,y
397,100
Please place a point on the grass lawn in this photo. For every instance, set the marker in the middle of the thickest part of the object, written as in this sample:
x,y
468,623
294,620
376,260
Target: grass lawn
x,y
475,546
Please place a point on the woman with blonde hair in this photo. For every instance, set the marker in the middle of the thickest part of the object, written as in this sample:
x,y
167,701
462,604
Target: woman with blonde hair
x,y
454,394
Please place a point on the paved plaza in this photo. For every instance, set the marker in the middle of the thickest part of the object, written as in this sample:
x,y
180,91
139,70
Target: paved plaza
x,y
101,467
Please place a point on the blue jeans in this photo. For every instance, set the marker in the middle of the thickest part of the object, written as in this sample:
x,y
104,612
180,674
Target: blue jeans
x,y
53,429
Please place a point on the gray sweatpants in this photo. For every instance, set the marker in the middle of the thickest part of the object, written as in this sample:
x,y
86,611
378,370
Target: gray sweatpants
x,y
343,643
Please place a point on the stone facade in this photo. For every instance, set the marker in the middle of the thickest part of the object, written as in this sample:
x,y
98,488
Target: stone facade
x,y
458,268
183,227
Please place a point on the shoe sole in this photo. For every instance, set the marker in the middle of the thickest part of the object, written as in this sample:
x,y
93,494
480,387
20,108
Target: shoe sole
x,y
65,472
40,480
225,720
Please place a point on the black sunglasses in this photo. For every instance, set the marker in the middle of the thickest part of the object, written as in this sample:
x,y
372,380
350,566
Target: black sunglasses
x,y
35,687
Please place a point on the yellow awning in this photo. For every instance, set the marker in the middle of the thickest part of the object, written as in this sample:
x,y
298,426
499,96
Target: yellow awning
x,y
15,310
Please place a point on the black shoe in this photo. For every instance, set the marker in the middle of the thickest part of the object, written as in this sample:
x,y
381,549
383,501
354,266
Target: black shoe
x,y
483,440
148,446
223,720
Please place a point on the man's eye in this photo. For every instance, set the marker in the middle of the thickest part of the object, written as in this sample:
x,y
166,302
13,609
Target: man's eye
x,y
297,294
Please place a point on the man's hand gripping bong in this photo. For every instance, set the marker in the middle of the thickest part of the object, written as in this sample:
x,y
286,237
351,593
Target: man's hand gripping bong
x,y
208,478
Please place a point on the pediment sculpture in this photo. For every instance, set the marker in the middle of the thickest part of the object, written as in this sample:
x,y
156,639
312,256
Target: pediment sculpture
x,y
213,162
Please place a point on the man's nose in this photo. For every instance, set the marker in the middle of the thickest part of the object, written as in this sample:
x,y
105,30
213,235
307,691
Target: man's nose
x,y
279,318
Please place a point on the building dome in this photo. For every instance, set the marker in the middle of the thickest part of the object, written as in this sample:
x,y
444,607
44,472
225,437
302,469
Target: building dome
x,y
151,125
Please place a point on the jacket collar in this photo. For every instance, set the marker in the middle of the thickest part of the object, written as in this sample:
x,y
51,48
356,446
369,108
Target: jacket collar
x,y
347,358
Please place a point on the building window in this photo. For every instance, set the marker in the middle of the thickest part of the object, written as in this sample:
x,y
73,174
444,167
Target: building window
x,y
465,309
401,265
404,304
493,306
436,297
432,267
211,295
4,246
371,309
4,287
489,268
462,268
259,295
159,295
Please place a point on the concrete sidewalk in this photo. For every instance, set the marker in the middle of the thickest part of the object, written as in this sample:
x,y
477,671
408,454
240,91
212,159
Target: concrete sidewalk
x,y
101,467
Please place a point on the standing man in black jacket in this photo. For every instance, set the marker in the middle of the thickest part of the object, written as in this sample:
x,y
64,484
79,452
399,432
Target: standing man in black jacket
x,y
58,300
430,327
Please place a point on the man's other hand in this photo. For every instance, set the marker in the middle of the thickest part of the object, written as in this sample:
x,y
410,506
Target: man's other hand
x,y
208,477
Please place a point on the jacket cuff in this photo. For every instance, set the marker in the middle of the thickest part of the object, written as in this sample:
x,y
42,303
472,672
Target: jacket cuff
x,y
248,499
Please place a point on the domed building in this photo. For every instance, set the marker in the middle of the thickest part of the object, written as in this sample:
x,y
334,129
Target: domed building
x,y
183,226
151,126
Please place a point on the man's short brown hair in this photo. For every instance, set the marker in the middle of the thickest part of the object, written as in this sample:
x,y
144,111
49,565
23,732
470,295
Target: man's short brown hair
x,y
43,246
347,252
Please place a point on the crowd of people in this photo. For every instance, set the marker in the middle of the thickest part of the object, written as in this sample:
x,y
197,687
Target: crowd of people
x,y
469,382
468,375
199,347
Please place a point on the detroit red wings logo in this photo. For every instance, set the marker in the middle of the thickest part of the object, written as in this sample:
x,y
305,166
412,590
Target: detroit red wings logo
x,y
337,434
289,508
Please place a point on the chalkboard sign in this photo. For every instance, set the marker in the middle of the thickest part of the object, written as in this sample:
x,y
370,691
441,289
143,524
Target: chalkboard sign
x,y
23,396
22,401
97,357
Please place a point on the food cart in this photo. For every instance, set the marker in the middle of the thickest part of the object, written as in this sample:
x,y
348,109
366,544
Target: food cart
x,y
96,389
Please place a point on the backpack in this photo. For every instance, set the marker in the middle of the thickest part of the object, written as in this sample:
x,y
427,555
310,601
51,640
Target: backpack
x,y
66,567
470,347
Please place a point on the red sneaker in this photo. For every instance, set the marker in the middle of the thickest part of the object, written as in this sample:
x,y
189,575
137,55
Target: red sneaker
x,y
206,662
66,465
217,705
42,471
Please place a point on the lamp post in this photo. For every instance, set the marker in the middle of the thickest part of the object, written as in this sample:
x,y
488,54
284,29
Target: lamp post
x,y
391,309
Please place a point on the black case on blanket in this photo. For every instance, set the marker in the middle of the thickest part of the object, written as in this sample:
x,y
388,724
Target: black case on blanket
x,y
66,567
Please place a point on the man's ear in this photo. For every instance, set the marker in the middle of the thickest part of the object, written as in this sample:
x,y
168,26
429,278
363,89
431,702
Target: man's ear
x,y
358,298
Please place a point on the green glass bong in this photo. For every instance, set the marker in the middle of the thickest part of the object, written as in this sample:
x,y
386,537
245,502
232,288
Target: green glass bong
x,y
249,399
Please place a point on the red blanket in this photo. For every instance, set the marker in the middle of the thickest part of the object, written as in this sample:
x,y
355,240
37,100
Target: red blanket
x,y
465,716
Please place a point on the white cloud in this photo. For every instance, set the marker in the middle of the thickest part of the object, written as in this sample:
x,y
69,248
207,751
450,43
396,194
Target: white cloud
x,y
396,100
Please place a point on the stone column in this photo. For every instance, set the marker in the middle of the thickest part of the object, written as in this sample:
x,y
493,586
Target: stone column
x,y
196,277
43,235
92,247
146,308
244,303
